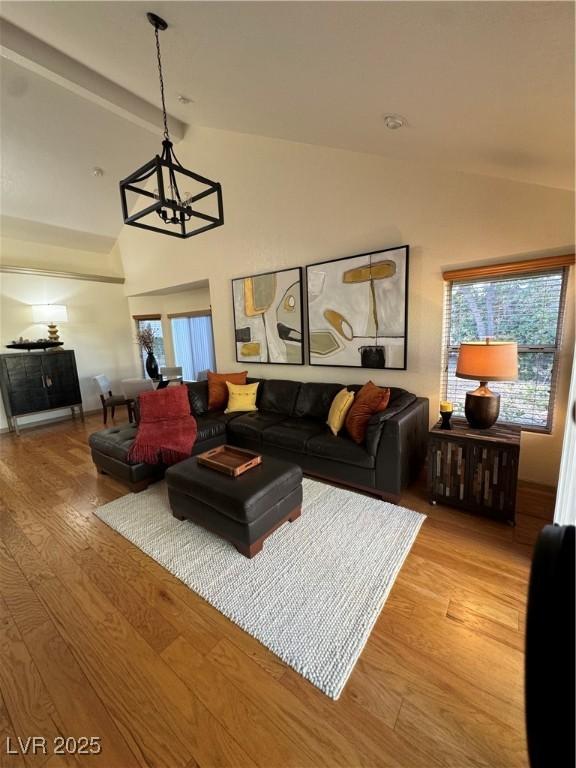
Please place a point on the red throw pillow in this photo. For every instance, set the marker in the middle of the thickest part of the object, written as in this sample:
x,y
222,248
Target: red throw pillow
x,y
368,401
218,391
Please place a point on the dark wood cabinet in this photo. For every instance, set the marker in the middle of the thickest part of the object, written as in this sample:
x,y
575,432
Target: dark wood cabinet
x,y
475,469
33,382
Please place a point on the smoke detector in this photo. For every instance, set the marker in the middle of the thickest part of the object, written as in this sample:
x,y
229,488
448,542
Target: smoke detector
x,y
393,122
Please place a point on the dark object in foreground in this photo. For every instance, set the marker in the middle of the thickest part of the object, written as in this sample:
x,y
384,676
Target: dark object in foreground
x,y
549,667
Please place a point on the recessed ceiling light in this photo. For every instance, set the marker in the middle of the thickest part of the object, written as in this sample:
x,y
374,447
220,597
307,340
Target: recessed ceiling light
x,y
394,122
97,171
184,99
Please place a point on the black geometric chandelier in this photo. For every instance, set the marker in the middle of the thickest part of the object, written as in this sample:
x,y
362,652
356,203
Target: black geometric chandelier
x,y
184,203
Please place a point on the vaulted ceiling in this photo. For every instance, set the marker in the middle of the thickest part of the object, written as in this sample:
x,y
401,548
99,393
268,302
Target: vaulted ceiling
x,y
485,87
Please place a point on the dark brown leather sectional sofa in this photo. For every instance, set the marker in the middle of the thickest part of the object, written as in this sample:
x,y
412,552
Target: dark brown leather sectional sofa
x,y
291,424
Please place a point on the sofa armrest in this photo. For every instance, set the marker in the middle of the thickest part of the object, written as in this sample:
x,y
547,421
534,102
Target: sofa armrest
x,y
377,422
402,447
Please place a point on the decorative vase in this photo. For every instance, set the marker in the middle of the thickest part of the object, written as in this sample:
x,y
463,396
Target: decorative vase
x,y
152,366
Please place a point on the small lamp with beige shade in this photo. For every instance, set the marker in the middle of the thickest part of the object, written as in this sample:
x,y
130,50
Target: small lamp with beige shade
x,y
486,361
50,314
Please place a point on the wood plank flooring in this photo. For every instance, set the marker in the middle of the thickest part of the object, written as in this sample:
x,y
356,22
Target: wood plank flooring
x,y
96,639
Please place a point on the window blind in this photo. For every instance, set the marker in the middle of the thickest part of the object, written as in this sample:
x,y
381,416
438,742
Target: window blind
x,y
193,345
526,308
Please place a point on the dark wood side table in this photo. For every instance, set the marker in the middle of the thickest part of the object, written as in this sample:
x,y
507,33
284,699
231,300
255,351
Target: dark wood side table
x,y
475,469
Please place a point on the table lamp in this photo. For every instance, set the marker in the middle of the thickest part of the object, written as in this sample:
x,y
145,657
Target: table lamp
x,y
50,314
486,361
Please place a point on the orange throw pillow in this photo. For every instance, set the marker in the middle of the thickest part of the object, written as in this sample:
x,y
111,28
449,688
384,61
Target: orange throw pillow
x,y
217,389
368,401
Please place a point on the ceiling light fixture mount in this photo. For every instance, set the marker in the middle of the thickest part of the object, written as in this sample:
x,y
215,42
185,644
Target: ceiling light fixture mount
x,y
393,122
157,22
182,213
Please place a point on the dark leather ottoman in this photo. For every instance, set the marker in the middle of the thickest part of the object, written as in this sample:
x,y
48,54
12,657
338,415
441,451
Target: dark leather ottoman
x,y
244,510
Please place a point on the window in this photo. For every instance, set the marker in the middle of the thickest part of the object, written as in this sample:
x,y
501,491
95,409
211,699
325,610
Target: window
x,y
193,344
526,308
156,324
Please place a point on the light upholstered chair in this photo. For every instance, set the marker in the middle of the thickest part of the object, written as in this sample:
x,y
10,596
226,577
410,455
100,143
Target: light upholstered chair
x,y
131,388
170,375
110,400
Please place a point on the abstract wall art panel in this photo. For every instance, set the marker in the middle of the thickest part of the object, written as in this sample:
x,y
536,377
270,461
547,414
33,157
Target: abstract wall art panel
x,y
357,310
268,317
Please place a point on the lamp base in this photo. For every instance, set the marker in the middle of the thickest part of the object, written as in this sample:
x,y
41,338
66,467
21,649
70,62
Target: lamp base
x,y
482,407
53,332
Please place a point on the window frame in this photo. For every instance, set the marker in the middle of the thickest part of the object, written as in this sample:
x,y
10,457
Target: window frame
x,y
554,349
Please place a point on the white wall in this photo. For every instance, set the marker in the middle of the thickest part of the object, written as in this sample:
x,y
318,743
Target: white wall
x,y
99,329
42,255
289,204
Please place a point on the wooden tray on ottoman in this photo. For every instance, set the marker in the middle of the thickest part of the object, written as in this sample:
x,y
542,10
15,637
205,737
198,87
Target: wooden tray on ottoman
x,y
229,460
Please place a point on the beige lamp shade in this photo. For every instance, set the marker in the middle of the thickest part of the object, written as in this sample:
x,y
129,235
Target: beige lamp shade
x,y
50,313
488,360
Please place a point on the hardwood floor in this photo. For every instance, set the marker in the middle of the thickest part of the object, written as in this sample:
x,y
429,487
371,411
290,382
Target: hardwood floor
x,y
96,639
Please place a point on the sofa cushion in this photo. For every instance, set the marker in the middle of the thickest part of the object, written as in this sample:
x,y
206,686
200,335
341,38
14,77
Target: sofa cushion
x,y
314,400
223,417
217,389
278,396
209,428
370,400
114,441
251,425
327,446
293,434
198,396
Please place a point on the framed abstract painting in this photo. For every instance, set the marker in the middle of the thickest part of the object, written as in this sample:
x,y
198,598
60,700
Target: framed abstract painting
x,y
268,317
358,310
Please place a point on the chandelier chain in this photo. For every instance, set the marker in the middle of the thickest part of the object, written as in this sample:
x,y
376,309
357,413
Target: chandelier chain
x,y
166,133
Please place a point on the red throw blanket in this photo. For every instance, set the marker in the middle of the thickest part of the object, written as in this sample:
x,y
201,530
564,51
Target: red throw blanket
x,y
167,431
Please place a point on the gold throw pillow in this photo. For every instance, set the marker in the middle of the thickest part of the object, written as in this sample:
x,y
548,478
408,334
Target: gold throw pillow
x,y
339,410
241,397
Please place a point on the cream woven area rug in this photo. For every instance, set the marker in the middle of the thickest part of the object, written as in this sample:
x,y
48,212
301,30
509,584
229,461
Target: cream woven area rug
x,y
315,591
